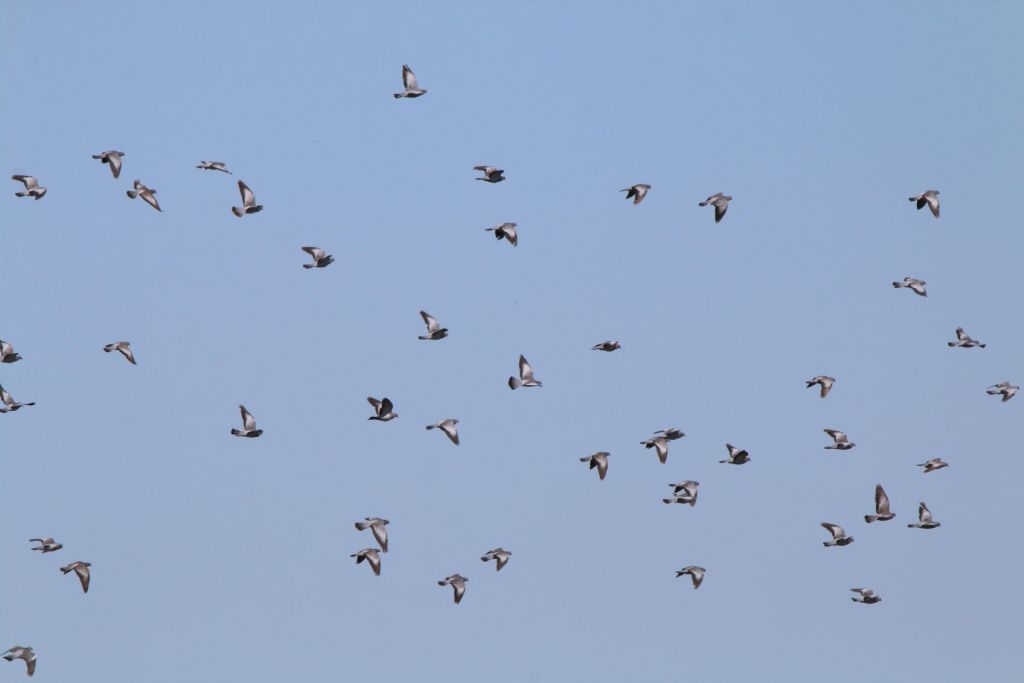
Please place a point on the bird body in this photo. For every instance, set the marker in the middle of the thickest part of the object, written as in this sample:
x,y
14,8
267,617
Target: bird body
x,y
736,456
46,545
25,654
598,460
8,404
924,518
248,429
913,284
383,409
147,195
491,174
1005,389
321,259
7,354
32,188
81,569
720,202
839,441
933,464
379,527
372,556
636,192
964,341
608,346
507,231
684,492
412,88
249,204
434,329
122,347
929,198
113,158
882,511
839,537
214,166
526,378
660,446
500,555
695,573
448,427
865,596
458,583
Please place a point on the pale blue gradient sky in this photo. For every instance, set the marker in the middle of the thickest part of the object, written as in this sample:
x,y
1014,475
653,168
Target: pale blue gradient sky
x,y
224,559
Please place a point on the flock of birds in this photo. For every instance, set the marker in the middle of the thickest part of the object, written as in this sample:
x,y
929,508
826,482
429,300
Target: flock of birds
x,y
685,492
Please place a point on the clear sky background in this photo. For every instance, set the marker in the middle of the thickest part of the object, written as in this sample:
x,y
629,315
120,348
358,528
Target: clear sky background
x,y
224,559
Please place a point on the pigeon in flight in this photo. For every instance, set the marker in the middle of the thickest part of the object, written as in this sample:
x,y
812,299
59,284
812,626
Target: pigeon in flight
x,y
491,174
500,555
7,354
525,376
448,427
720,202
214,166
696,575
81,569
122,347
506,230
113,158
736,456
608,346
371,555
249,204
147,195
882,512
931,198
8,404
865,596
32,188
434,329
458,583
933,464
840,441
683,492
637,192
412,88
1005,388
660,446
321,259
963,340
248,425
672,433
824,381
598,460
924,518
23,653
46,545
379,528
382,409
839,536
913,284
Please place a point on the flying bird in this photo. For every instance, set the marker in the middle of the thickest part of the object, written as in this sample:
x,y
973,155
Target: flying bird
x,y
924,518
672,433
382,409
46,545
248,425
500,555
684,492
824,381
8,404
736,456
379,528
882,512
412,88
7,354
371,555
81,569
913,284
637,192
598,460
608,346
660,446
865,596
840,441
458,583
720,202
448,427
122,347
839,536
321,259
249,204
964,341
214,166
113,158
506,230
933,464
696,575
491,174
24,653
526,378
147,195
1007,390
434,329
32,188
931,198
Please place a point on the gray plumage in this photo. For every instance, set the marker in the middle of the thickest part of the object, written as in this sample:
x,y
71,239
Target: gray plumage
x,y
839,537
824,381
929,198
684,492
526,378
913,284
736,456
608,346
1005,389
249,204
113,159
865,596
26,654
491,174
506,230
214,166
321,259
882,511
147,195
636,192
933,464
32,188
122,347
458,583
840,442
434,329
500,555
720,202
383,409
695,573
924,518
448,427
7,354
660,446
964,340
412,88
598,460
81,570
248,425
372,556
46,545
8,404
379,527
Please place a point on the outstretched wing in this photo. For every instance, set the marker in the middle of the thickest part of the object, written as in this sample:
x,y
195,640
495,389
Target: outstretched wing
x,y
525,370
248,421
881,501
248,198
431,321
409,78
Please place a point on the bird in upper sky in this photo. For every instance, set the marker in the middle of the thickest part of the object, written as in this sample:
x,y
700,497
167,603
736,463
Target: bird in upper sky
x,y
372,556
839,537
81,569
637,192
434,329
448,427
882,511
148,195
506,230
32,188
500,555
8,404
931,198
321,259
598,460
865,596
720,202
913,284
379,527
248,425
660,446
608,346
840,442
383,409
46,545
491,174
924,518
458,583
1007,390
24,653
684,492
412,88
933,464
526,378
113,159
122,347
964,340
7,354
696,574
249,204
736,456
824,381
214,166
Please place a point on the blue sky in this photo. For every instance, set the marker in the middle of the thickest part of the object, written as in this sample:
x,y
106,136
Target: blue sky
x,y
228,559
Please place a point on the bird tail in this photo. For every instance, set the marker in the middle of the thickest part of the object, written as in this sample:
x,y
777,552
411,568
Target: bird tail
x,y
398,95
982,345
362,526
307,266
236,432
870,518
238,212
950,343
828,544
514,383
897,285
21,194
666,500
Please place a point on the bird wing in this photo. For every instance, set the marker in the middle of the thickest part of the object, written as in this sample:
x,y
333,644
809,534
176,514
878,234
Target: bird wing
x,y
316,252
83,576
374,559
502,559
431,321
450,431
460,588
248,198
881,501
409,78
115,164
933,203
602,464
380,532
248,421
525,370
721,206
149,197
375,403
28,181
924,514
126,351
961,335
834,529
386,406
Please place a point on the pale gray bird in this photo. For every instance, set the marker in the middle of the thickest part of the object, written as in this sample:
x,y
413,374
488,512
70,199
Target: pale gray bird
x,y
931,198
882,511
672,433
46,545
458,583
933,464
379,527
249,204
434,329
32,188
840,441
913,284
113,159
122,347
383,409
736,456
684,492
491,174
372,556
7,354
608,346
866,596
506,230
839,536
696,574
248,425
964,341
1007,390
598,460
526,378
924,518
214,166
720,202
321,259
24,653
81,569
412,88
660,446
824,381
448,427
8,404
148,195
500,555
637,192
